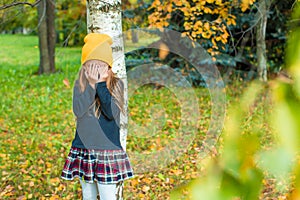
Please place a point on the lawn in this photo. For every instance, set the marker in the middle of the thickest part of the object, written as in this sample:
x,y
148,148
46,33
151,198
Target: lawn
x,y
37,127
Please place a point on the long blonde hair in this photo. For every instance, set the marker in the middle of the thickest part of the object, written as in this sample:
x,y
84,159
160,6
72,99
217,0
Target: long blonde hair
x,y
114,84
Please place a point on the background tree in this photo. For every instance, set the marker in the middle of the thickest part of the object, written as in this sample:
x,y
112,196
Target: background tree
x,y
46,33
263,9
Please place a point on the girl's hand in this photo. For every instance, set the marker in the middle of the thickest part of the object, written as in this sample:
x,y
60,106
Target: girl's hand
x,y
103,70
92,74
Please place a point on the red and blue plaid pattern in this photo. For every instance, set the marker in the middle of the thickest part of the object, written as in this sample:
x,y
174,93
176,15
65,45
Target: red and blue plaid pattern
x,y
103,166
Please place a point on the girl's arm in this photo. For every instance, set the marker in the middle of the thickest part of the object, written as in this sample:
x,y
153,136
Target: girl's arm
x,y
82,101
107,101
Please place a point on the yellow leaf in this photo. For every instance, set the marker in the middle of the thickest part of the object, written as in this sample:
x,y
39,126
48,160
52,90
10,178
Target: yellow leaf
x,y
156,2
169,8
197,25
246,4
199,31
194,34
134,182
233,22
214,42
146,180
145,188
187,26
55,197
2,155
206,25
244,7
219,2
183,34
202,3
207,34
214,27
31,183
159,8
176,171
54,181
178,2
207,10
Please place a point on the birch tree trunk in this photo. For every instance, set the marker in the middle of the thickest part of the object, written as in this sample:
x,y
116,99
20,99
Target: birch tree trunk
x,y
261,28
104,16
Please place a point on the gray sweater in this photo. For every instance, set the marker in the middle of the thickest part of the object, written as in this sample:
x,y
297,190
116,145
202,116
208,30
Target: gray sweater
x,y
91,132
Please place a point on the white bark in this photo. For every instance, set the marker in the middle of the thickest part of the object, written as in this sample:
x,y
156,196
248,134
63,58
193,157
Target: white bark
x,y
104,16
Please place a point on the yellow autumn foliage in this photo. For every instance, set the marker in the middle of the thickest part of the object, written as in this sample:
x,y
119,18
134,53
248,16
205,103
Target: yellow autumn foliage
x,y
246,4
194,12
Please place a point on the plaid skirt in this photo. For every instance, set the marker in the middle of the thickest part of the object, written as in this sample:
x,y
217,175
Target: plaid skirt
x,y
103,166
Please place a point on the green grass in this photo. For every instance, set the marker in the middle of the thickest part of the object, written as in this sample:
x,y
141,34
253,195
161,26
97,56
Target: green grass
x,y
36,119
37,127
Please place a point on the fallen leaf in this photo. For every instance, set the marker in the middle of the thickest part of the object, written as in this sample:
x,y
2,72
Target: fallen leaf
x,y
66,82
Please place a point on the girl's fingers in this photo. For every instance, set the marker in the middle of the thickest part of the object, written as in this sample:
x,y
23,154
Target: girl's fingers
x,y
94,71
97,71
86,73
94,68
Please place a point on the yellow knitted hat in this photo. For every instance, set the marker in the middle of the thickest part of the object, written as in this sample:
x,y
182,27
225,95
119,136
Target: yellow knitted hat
x,y
97,47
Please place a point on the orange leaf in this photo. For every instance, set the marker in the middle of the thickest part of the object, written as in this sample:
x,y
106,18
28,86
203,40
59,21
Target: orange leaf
x,y
66,82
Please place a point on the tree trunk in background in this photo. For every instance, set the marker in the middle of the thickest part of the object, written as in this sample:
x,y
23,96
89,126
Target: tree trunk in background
x,y
46,35
261,28
50,12
105,17
43,41
134,36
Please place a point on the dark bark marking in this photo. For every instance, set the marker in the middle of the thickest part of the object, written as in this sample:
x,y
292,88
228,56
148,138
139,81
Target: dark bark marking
x,y
92,28
117,48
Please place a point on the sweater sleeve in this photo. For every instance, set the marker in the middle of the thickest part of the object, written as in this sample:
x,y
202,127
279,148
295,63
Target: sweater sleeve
x,y
82,101
107,101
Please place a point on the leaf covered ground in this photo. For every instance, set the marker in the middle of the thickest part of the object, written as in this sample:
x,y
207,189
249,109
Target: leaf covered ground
x,y
37,127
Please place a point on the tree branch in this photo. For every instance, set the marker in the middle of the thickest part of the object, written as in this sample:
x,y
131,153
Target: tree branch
x,y
294,4
19,3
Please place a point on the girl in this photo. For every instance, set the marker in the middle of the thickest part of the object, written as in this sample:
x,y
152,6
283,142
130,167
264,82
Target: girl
x,y
96,155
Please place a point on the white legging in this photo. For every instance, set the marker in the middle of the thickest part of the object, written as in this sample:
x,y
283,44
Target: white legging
x,y
90,191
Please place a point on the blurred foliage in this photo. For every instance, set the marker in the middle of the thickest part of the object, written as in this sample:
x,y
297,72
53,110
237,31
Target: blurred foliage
x,y
134,15
12,20
243,165
71,22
